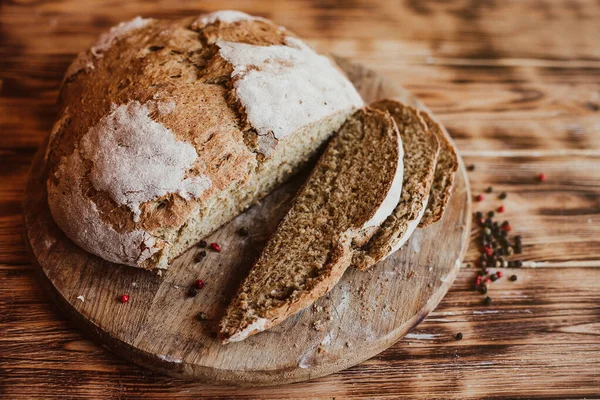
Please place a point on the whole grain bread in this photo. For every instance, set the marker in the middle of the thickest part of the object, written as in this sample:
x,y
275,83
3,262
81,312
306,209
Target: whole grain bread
x,y
445,169
355,185
167,129
420,154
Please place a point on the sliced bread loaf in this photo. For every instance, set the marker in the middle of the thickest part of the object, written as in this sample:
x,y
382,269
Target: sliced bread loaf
x,y
355,185
445,168
420,154
168,129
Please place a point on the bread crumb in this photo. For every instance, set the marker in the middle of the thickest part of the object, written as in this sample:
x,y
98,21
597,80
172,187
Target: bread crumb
x,y
80,297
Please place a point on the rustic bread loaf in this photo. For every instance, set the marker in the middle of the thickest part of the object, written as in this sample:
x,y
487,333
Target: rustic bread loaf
x,y
420,153
445,168
355,185
169,129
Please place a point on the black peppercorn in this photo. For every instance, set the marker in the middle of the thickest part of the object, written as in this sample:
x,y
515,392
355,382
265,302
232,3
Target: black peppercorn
x,y
491,214
192,292
202,243
502,196
200,256
487,300
471,167
459,336
513,278
489,189
478,215
518,264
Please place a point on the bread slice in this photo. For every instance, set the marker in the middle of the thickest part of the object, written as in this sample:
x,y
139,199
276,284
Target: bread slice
x,y
352,189
421,150
445,168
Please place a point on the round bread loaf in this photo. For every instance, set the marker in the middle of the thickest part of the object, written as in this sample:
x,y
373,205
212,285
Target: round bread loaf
x,y
168,129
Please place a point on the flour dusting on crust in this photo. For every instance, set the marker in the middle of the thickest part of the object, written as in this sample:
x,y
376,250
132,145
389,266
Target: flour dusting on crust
x,y
136,159
80,219
284,88
85,60
225,16
107,39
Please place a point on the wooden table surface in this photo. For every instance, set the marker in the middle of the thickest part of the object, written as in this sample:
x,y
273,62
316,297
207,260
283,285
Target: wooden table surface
x,y
517,83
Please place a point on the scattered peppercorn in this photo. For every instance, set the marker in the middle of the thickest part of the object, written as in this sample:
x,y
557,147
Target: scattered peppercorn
x,y
513,278
542,177
494,277
124,298
483,289
192,292
491,214
478,215
215,247
202,243
471,167
459,336
489,189
502,196
200,256
479,197
243,231
488,301
202,316
501,209
199,284
499,273
518,264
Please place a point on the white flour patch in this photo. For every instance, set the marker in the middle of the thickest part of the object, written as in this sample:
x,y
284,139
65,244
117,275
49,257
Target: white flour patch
x,y
81,298
107,39
80,219
136,159
85,60
283,88
225,16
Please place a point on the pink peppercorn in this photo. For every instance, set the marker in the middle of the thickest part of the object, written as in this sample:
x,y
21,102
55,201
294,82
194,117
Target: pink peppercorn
x,y
501,209
499,273
215,247
542,177
199,283
124,298
479,197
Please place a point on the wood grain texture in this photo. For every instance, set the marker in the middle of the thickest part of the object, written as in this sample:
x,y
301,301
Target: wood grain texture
x,y
514,82
364,314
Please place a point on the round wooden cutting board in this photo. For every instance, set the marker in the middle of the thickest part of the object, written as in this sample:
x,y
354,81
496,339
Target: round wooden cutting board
x,y
363,315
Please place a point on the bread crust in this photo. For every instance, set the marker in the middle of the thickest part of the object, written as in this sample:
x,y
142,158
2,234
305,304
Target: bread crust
x,y
445,169
167,78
